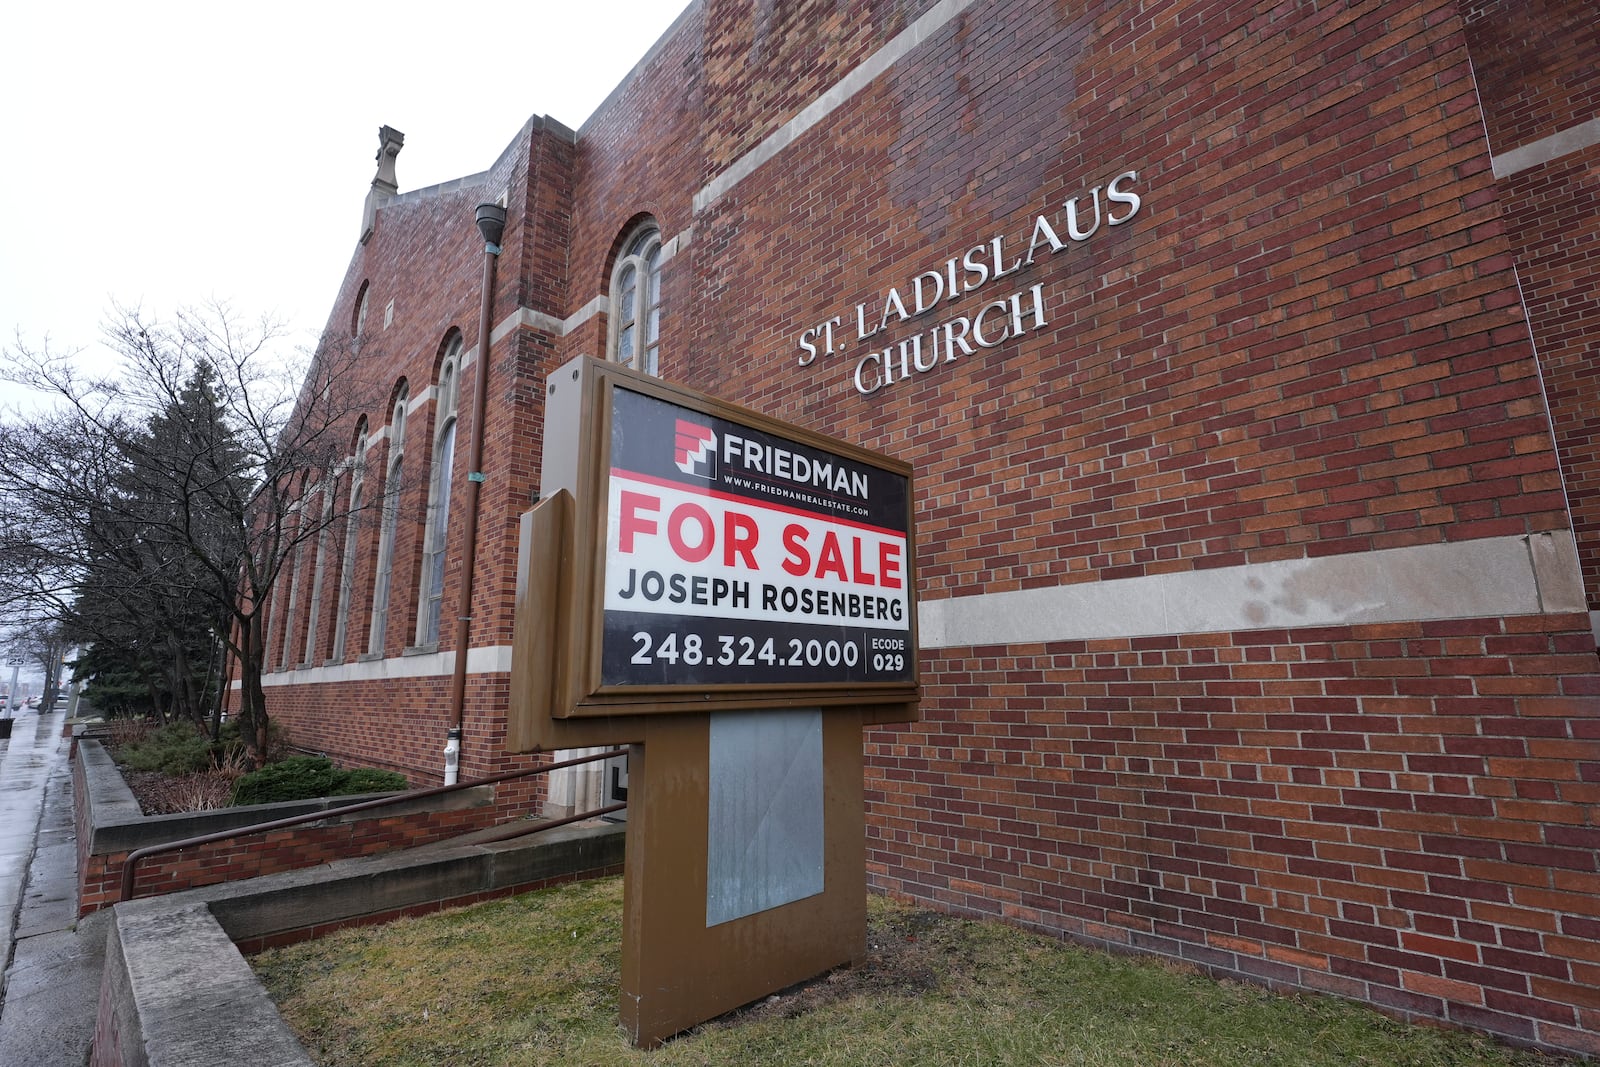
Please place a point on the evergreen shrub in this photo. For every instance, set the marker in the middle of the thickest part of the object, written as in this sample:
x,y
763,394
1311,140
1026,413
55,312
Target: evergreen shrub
x,y
176,749
368,780
308,777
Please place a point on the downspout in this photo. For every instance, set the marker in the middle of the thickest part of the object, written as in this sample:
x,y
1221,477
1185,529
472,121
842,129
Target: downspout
x,y
491,220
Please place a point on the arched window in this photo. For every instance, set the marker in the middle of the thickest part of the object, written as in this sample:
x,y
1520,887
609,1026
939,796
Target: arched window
x,y
296,522
319,571
272,629
636,302
352,530
389,525
437,536
358,324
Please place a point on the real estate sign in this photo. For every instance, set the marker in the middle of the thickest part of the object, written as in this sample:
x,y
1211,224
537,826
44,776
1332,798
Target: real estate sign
x,y
737,555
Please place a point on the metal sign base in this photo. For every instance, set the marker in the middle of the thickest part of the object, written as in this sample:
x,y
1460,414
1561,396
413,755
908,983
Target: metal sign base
x,y
679,968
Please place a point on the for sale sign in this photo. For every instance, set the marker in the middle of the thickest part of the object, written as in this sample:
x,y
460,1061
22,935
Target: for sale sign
x,y
735,555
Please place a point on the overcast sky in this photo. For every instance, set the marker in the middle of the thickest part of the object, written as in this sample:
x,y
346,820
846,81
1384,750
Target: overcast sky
x,y
162,154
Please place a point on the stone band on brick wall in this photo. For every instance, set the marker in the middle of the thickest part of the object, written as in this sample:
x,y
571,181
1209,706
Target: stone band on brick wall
x,y
1516,575
1528,156
1466,579
495,660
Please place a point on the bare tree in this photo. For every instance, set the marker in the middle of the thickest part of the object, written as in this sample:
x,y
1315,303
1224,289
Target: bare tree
x,y
175,485
43,646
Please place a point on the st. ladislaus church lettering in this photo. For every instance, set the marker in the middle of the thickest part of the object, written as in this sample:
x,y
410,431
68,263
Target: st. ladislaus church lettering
x,y
1002,319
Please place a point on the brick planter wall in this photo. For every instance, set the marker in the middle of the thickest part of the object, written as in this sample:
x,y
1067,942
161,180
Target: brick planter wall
x,y
109,827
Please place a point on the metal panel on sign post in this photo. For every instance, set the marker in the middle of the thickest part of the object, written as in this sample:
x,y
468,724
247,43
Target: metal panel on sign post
x,y
764,827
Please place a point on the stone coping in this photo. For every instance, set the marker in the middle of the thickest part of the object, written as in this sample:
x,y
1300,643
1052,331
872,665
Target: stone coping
x,y
196,1004
173,966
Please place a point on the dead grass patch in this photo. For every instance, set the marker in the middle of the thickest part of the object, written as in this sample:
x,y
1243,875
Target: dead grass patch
x,y
533,980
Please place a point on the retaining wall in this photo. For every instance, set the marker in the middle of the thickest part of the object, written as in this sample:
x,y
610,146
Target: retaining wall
x,y
174,964
110,826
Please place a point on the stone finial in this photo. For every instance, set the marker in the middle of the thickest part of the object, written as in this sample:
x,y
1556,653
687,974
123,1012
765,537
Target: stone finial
x,y
390,141
384,185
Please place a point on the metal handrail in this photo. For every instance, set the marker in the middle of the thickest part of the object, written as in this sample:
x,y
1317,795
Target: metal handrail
x,y
508,831
138,855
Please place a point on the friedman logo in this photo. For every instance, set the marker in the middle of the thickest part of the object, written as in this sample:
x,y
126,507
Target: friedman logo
x,y
696,450
755,457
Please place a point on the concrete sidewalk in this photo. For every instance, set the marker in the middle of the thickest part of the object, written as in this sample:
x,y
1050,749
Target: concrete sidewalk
x,y
50,988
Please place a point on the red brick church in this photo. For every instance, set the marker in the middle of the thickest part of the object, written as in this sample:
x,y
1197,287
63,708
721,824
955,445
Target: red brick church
x,y
1245,353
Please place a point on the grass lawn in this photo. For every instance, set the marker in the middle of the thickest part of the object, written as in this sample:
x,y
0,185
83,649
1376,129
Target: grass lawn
x,y
533,980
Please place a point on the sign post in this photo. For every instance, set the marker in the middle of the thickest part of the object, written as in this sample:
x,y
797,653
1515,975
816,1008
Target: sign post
x,y
734,598
15,663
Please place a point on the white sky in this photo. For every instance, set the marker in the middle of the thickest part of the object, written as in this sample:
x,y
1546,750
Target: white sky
x,y
165,153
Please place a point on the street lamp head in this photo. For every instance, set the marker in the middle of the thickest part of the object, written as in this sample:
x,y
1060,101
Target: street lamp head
x,y
492,224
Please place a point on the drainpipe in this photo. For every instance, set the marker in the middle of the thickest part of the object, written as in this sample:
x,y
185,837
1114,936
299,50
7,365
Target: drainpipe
x,y
491,220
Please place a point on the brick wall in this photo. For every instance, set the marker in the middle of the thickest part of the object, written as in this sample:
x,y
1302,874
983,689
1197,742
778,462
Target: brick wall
x,y
1535,65
1539,77
100,870
426,255
402,725
279,850
1399,814
1309,340
1559,266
